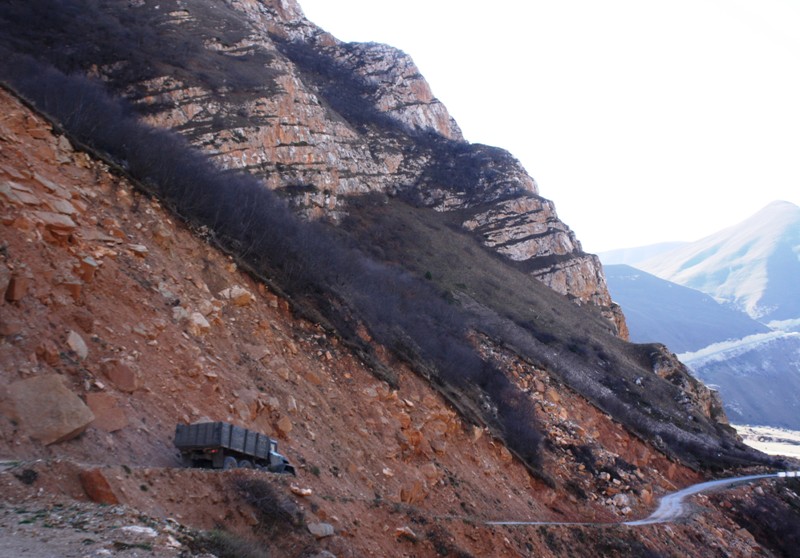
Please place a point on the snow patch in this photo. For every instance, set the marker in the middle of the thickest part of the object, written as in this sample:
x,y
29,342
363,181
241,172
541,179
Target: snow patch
x,y
726,349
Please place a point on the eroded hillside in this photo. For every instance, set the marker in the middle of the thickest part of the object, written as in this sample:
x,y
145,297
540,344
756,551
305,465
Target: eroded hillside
x,y
118,322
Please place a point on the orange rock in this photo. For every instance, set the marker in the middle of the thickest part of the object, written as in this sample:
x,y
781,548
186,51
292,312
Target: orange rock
x,y
284,426
48,352
87,268
431,472
74,288
9,326
121,375
413,493
97,488
47,410
552,396
108,415
55,221
404,419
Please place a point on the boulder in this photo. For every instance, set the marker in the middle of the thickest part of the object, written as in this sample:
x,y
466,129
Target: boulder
x,y
56,221
47,410
197,324
108,415
621,500
97,488
238,295
413,492
121,375
9,326
48,352
284,426
87,268
405,532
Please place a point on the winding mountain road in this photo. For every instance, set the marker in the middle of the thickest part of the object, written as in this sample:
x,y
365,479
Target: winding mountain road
x,y
671,507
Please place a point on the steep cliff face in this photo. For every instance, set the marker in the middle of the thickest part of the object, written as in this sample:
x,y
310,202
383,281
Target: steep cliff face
x,y
263,89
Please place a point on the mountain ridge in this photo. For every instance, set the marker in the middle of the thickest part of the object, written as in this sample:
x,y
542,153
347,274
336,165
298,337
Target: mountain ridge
x,y
682,318
749,265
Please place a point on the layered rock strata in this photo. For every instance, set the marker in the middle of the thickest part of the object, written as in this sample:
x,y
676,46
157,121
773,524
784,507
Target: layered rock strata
x,y
261,88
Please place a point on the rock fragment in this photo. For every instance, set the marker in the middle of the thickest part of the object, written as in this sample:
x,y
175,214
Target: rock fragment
x,y
17,288
321,530
97,488
197,324
238,295
123,376
77,345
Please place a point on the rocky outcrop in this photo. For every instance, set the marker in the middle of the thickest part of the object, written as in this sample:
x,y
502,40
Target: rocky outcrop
x,y
321,121
666,365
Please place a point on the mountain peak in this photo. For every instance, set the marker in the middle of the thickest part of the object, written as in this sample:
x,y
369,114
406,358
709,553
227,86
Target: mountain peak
x,y
750,265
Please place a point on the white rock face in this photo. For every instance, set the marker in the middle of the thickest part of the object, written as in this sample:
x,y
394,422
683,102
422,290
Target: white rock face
x,y
330,120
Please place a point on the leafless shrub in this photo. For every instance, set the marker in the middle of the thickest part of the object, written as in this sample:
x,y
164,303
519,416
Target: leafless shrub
x,y
274,509
223,544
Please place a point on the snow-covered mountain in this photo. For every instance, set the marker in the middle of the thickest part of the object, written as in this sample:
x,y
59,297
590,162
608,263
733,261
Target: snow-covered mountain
x,y
758,377
754,266
682,318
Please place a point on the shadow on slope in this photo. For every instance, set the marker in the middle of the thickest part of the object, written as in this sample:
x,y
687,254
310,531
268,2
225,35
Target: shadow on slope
x,y
325,271
315,267
682,318
574,343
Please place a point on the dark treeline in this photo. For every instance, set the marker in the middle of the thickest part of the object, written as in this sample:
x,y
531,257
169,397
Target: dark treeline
x,y
306,259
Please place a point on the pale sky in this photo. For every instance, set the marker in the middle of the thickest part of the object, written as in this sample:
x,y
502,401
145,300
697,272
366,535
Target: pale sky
x,y
644,121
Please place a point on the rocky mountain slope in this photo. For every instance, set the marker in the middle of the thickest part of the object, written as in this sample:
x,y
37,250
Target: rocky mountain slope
x,y
118,322
263,89
421,383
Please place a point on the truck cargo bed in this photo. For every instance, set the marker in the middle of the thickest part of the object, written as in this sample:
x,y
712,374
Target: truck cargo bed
x,y
222,435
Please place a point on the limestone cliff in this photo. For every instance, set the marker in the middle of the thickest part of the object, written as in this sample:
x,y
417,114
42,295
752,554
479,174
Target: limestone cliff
x,y
263,89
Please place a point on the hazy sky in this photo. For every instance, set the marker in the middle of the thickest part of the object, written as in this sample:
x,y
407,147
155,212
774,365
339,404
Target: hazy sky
x,y
643,120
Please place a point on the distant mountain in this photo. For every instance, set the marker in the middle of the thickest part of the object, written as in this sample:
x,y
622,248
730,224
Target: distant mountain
x,y
700,302
682,318
632,256
754,266
758,377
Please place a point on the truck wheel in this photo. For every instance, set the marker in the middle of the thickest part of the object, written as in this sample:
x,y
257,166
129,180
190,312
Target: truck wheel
x,y
245,464
229,463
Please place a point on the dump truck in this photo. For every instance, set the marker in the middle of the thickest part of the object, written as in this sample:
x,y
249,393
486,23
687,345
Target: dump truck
x,y
220,445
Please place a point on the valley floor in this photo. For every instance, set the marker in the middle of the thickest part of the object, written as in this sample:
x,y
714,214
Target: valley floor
x,y
771,440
